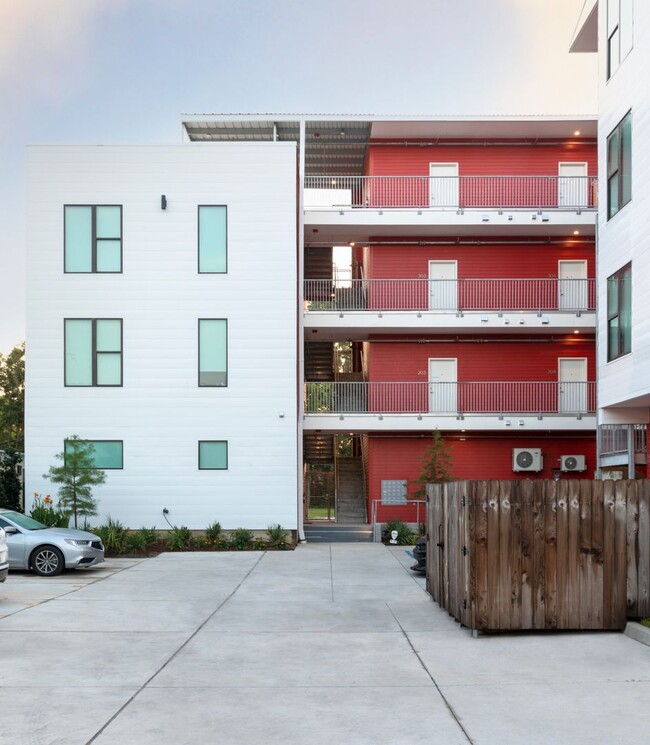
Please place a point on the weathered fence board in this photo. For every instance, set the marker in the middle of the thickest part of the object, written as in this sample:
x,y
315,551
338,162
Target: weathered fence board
x,y
540,554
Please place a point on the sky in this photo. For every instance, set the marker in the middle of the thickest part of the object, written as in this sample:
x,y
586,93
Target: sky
x,y
103,71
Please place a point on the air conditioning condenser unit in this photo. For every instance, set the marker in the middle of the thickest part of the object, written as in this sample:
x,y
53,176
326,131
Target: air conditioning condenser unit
x,y
527,459
570,463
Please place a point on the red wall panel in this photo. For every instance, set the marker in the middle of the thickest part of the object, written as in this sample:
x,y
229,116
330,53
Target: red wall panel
x,y
488,160
475,458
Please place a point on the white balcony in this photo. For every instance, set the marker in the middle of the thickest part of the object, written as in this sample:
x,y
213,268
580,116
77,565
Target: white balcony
x,y
391,202
467,405
340,306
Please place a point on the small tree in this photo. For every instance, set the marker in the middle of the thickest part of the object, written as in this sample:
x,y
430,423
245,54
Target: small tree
x,y
436,465
77,475
12,399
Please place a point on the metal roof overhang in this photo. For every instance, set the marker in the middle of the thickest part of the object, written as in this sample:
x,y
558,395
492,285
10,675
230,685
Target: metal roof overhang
x,y
338,144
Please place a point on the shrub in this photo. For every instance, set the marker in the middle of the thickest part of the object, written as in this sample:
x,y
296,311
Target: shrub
x,y
114,536
44,511
405,536
135,543
277,537
259,544
149,536
180,539
241,539
200,542
213,532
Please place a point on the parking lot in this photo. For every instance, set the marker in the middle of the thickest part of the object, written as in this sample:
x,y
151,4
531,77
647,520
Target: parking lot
x,y
331,643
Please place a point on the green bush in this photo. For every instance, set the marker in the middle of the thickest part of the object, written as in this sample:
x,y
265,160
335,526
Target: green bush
x,y
180,539
135,543
259,544
200,542
44,511
241,539
149,536
213,532
277,537
114,536
405,536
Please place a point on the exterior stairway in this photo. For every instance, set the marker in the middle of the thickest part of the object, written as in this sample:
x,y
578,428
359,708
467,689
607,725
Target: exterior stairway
x,y
351,498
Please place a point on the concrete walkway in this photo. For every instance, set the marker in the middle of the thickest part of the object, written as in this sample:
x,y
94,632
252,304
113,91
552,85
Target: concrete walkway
x,y
335,644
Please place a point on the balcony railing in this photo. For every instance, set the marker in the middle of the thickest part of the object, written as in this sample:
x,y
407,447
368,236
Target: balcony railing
x,y
452,192
568,295
614,439
504,397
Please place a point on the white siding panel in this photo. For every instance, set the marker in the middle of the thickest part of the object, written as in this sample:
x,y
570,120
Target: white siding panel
x,y
160,412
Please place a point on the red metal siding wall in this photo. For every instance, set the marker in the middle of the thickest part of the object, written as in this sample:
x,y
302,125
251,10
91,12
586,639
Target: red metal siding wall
x,y
490,160
480,458
489,262
485,360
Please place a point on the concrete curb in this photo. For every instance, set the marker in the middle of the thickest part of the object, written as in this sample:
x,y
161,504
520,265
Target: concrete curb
x,y
638,632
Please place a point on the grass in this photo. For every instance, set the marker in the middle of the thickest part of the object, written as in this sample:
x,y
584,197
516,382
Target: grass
x,y
645,622
320,513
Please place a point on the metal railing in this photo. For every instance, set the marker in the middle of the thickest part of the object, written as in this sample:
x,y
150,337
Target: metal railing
x,y
614,439
453,192
415,508
503,397
453,295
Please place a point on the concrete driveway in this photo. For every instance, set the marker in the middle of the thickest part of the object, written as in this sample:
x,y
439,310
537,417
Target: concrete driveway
x,y
332,643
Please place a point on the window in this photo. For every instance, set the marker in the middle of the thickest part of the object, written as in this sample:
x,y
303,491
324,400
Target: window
x,y
107,454
619,313
92,237
213,352
619,166
213,455
93,351
213,239
619,33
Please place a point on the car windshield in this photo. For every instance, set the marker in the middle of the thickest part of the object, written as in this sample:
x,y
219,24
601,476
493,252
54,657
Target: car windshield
x,y
23,521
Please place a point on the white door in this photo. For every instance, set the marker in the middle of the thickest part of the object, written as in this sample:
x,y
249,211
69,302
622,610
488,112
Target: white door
x,y
573,291
572,188
443,287
443,184
443,398
572,385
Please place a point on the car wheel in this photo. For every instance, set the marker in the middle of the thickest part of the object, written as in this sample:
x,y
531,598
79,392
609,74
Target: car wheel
x,y
47,561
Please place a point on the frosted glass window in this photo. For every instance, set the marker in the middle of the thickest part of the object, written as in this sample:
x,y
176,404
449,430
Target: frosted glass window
x,y
213,454
93,352
213,352
213,240
93,238
79,352
78,239
106,453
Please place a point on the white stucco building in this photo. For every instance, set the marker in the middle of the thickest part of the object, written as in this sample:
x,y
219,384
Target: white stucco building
x,y
162,327
619,31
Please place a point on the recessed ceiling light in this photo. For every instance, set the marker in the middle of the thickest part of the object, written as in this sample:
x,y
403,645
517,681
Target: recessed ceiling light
x,y
576,232
576,331
577,133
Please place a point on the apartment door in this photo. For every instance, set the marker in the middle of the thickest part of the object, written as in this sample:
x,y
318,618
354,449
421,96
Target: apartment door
x,y
443,287
443,184
572,185
443,397
572,385
573,291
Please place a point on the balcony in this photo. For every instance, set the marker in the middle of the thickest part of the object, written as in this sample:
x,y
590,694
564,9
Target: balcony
x,y
569,193
471,405
450,295
618,441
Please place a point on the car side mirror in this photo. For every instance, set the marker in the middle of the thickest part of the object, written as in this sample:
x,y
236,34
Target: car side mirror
x,y
10,530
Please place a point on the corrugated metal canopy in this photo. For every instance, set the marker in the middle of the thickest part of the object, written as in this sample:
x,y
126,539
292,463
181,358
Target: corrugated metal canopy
x,y
331,147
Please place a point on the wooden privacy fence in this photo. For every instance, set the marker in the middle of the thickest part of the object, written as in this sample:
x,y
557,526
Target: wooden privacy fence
x,y
568,554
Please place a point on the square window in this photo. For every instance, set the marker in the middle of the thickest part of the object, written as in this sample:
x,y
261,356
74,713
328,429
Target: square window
x,y
213,455
92,239
93,351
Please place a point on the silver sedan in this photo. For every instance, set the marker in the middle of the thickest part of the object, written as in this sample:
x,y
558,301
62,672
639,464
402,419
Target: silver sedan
x,y
4,564
48,551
